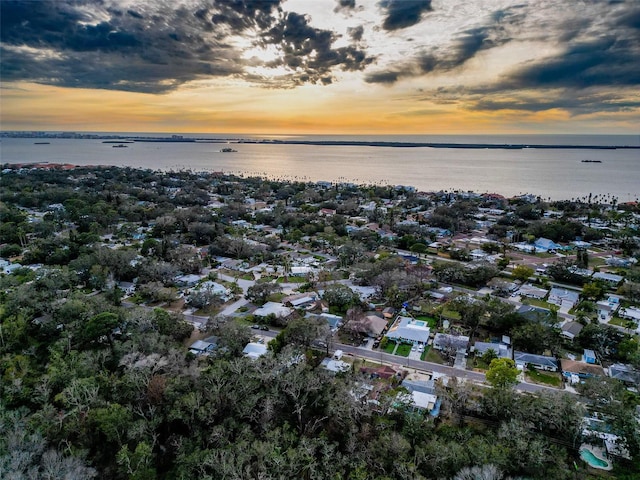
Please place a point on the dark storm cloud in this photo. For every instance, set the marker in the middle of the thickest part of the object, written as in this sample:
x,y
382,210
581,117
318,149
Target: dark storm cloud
x,y
355,33
157,47
310,51
466,46
403,13
345,5
604,60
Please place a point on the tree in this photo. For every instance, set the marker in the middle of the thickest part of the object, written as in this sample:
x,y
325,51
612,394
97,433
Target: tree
x,y
502,373
259,293
489,356
340,296
522,272
101,326
593,291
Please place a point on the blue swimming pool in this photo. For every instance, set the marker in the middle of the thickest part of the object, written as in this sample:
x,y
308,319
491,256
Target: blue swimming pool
x,y
596,462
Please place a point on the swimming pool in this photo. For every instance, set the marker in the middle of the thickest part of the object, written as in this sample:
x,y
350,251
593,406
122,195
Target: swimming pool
x,y
596,462
419,323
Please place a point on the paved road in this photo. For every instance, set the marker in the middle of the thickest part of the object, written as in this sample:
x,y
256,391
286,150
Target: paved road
x,y
382,357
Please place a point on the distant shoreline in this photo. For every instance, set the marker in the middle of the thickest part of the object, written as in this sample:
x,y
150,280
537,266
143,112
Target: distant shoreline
x,y
503,146
343,143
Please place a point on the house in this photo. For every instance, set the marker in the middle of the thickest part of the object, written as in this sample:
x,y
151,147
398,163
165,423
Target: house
x,y
609,278
571,329
589,356
301,270
444,341
370,325
540,362
630,313
532,292
335,366
563,298
423,395
188,280
502,350
580,369
334,321
254,350
544,245
273,308
301,300
128,288
624,373
384,372
606,308
424,401
216,289
406,329
201,347
534,314
388,312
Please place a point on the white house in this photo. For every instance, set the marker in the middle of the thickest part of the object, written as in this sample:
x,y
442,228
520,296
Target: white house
x,y
563,297
606,308
254,350
277,309
406,329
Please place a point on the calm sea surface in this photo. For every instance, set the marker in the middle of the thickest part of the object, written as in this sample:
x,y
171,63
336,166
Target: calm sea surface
x,y
550,173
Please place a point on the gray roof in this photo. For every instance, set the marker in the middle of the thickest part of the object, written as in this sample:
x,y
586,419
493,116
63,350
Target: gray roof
x,y
420,386
625,373
523,357
574,328
456,341
503,351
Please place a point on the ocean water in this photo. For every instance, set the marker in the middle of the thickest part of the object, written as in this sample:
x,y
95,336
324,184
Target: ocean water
x,y
551,173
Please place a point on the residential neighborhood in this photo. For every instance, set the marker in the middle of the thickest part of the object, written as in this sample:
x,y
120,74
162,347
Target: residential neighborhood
x,y
407,291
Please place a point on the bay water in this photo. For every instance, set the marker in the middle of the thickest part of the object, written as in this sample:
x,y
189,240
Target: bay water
x,y
550,173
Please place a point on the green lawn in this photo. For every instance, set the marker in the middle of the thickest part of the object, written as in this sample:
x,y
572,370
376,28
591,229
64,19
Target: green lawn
x,y
537,303
450,314
403,350
388,348
621,322
431,355
552,379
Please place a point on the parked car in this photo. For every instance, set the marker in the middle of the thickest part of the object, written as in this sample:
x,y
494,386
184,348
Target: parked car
x,y
255,327
264,327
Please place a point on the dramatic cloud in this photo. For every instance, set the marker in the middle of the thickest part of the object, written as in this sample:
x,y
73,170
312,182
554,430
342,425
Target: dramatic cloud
x,y
158,46
309,50
345,5
403,13
490,56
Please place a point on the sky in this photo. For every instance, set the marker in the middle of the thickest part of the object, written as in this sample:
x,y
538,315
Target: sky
x,y
321,66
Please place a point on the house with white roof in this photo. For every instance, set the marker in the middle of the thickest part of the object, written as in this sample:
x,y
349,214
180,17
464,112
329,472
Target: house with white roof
x,y
606,308
630,313
563,298
275,308
406,329
254,350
